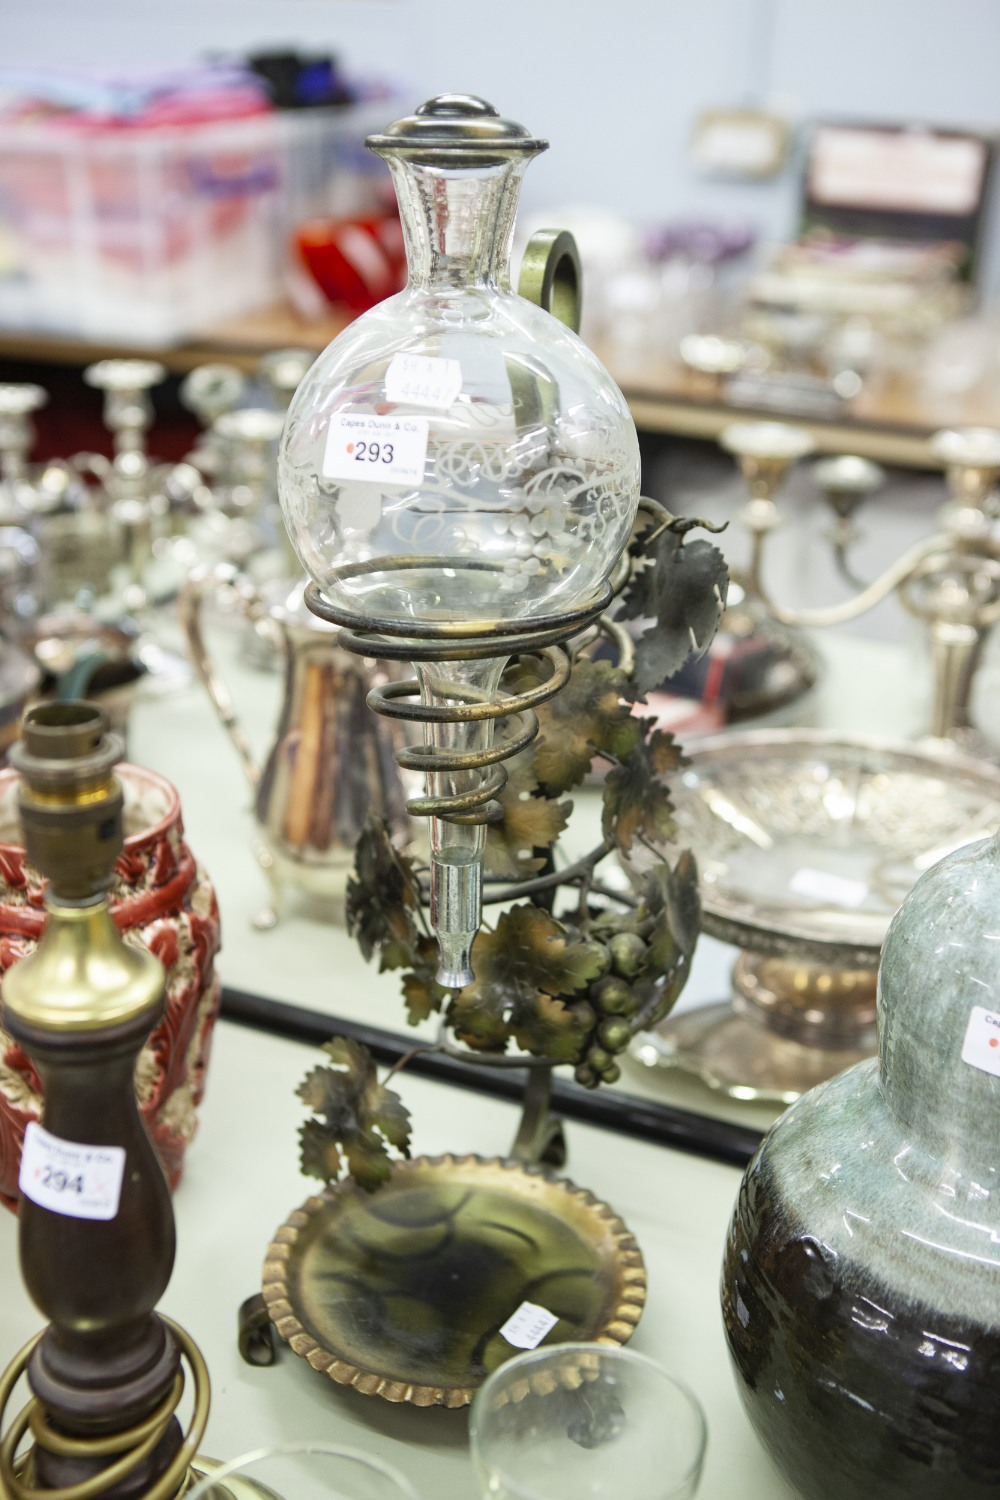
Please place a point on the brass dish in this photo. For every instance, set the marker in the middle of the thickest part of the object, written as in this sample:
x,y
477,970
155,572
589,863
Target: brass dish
x,y
402,1293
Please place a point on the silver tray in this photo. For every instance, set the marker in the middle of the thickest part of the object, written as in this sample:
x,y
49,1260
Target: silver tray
x,y
807,841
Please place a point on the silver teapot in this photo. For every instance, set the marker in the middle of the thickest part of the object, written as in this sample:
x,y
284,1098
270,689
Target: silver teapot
x,y
331,762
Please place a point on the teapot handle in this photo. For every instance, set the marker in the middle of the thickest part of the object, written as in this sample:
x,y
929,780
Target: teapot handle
x,y
223,578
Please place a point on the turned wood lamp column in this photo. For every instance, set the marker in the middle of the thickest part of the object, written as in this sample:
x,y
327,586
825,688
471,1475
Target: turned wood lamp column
x,y
96,1220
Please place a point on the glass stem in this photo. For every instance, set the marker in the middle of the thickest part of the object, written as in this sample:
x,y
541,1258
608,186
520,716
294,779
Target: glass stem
x,y
457,848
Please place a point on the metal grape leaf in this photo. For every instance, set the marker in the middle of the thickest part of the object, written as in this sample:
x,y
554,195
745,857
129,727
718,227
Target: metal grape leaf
x,y
584,718
545,1027
684,901
530,954
421,992
387,1114
358,1118
670,912
636,798
319,1152
530,951
530,822
368,1162
382,895
682,591
477,1019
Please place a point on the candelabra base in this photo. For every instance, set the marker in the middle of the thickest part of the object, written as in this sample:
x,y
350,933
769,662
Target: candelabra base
x,y
790,1025
738,1056
764,668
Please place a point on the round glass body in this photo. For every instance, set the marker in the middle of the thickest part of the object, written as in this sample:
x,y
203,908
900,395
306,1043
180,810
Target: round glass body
x,y
458,454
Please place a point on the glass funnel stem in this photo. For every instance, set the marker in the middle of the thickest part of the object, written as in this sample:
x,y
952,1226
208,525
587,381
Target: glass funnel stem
x,y
466,692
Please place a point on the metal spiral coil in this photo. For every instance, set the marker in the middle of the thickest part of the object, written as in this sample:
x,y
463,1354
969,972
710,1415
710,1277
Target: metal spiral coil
x,y
128,1449
431,641
478,805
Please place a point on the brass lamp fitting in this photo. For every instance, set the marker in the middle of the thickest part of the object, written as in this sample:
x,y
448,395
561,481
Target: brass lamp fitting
x,y
70,802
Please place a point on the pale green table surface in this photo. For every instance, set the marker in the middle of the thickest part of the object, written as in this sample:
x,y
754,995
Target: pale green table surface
x,y
240,1182
241,1177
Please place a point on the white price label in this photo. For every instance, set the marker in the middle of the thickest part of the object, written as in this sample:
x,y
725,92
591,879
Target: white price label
x,y
420,380
526,1328
981,1047
83,1182
378,450
821,886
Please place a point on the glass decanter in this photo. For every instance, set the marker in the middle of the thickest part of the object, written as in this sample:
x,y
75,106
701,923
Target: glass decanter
x,y
459,476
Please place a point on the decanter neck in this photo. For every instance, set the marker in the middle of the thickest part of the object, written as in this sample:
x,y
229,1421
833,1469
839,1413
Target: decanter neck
x,y
458,223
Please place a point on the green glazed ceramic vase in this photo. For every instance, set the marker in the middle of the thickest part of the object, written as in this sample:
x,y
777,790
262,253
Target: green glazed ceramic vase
x,y
861,1282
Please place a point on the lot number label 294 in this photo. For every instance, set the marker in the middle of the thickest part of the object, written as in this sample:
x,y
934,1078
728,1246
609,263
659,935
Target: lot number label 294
x,y
67,1177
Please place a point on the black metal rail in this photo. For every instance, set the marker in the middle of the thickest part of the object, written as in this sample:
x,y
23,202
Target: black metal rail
x,y
662,1124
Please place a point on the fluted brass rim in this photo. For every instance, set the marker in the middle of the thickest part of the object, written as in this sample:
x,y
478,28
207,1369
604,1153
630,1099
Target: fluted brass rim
x,y
619,1323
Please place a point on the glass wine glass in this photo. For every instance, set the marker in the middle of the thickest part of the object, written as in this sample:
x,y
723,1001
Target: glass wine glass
x,y
309,1470
586,1422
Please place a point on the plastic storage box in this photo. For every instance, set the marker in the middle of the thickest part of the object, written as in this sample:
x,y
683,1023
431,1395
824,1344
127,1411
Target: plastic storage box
x,y
145,236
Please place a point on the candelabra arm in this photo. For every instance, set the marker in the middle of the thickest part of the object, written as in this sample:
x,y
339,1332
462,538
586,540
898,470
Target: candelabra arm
x,y
988,615
851,609
842,563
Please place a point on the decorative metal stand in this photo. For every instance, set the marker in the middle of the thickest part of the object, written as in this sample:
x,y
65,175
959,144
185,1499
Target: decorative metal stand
x,y
571,989
498,532
106,1375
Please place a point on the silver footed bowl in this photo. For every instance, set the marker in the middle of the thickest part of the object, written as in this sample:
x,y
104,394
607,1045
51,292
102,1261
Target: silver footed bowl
x,y
807,841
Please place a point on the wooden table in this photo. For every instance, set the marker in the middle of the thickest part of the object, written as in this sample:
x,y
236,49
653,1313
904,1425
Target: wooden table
x,y
890,422
239,341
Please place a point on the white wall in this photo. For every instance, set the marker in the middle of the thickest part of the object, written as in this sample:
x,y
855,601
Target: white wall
x,y
613,84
